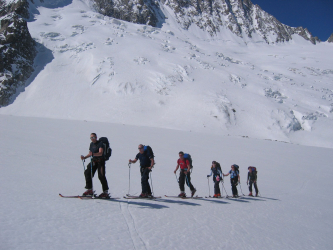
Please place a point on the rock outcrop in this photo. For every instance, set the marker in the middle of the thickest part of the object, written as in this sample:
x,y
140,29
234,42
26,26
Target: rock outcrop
x,y
135,11
241,17
330,39
17,49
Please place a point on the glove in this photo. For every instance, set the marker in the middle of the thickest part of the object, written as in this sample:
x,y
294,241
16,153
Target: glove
x,y
217,178
208,176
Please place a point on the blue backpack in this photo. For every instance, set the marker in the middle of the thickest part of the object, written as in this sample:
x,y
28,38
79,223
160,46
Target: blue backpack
x,y
189,158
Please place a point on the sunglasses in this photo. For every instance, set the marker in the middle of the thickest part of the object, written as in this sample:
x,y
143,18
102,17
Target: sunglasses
x,y
140,148
93,137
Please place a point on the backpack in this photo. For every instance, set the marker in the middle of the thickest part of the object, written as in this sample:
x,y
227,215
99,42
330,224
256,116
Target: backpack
x,y
218,166
107,151
236,168
148,149
189,158
254,170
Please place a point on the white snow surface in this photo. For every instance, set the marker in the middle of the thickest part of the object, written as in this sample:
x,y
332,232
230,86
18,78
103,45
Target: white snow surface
x,y
40,157
96,68
223,98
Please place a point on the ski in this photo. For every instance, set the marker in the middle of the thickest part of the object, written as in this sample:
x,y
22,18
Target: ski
x,y
97,198
69,196
237,197
138,197
194,197
207,197
86,197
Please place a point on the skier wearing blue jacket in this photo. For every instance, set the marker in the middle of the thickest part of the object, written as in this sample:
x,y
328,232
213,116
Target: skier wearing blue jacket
x,y
147,162
234,179
216,171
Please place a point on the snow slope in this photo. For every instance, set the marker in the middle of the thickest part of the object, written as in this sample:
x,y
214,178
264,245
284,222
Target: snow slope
x,y
97,68
40,158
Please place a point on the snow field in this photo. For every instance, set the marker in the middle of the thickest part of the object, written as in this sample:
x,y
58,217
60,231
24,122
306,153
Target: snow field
x,y
40,158
92,67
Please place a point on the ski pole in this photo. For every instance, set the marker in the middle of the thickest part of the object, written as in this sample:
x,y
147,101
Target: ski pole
x,y
208,186
241,188
151,183
176,178
258,188
225,190
129,178
91,171
84,167
221,180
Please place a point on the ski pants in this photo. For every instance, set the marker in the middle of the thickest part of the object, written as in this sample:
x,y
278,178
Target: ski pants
x,y
100,166
234,182
255,186
216,186
185,178
145,181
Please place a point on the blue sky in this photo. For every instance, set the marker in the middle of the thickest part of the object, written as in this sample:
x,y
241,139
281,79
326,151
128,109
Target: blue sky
x,y
316,15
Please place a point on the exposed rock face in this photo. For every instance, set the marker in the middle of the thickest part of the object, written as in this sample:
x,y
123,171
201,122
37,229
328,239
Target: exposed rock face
x,y
17,49
330,39
135,11
241,17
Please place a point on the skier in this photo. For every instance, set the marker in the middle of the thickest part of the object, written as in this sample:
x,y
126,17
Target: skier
x,y
185,174
217,177
234,179
97,163
252,179
146,158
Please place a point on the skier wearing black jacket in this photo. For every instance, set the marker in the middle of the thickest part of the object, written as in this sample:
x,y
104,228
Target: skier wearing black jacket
x,y
252,179
217,177
98,163
146,164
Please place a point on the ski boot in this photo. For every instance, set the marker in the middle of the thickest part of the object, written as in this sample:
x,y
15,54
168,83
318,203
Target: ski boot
x,y
250,194
182,195
142,195
89,192
104,195
193,192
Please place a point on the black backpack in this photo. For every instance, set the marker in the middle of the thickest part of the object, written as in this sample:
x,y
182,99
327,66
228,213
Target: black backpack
x,y
189,158
218,166
148,149
107,151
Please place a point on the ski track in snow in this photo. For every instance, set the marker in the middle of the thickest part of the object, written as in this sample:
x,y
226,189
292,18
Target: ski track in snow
x,y
138,243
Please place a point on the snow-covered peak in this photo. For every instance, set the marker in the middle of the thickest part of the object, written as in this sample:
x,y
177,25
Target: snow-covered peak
x,y
95,67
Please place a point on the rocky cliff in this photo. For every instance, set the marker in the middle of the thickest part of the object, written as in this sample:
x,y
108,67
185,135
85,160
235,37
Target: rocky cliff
x,y
135,11
241,17
17,49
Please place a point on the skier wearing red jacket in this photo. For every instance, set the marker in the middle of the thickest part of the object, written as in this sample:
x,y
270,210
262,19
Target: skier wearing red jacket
x,y
185,175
